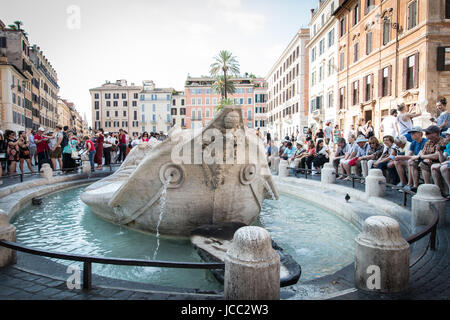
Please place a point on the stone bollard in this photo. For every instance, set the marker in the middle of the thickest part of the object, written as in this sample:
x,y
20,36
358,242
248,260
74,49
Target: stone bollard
x,y
283,170
373,186
328,174
86,168
46,171
422,212
7,232
381,257
252,266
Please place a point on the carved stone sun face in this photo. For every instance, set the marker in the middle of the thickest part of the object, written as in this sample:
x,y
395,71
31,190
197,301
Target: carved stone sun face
x,y
231,120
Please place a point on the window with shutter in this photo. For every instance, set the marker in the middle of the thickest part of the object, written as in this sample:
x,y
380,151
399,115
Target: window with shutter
x,y
412,14
386,31
368,43
447,9
2,42
411,72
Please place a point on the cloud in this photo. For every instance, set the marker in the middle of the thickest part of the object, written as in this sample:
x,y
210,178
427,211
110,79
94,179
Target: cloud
x,y
225,4
248,22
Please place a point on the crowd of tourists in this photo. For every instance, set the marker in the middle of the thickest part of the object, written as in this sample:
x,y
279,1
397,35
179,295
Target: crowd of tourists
x,y
62,148
407,154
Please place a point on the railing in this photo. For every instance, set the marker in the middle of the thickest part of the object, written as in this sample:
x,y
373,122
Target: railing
x,y
356,178
22,176
430,229
89,260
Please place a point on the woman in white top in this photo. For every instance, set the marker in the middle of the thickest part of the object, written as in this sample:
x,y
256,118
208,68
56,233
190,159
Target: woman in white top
x,y
404,120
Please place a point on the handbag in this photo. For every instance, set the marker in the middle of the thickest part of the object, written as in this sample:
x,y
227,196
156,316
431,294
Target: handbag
x,y
75,155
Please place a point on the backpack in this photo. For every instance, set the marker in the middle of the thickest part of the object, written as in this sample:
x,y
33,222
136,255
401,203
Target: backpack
x,y
65,140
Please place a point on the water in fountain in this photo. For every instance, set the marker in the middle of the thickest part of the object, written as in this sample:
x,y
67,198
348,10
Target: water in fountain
x,y
267,187
162,210
118,218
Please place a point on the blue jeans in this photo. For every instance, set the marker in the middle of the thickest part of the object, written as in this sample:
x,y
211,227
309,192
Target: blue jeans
x,y
91,159
392,172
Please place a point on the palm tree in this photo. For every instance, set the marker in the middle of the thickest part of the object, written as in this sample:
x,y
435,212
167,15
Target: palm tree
x,y
223,87
225,62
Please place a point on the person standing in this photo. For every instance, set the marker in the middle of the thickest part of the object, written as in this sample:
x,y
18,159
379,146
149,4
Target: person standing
x,y
388,127
12,151
337,134
69,163
122,145
56,149
328,130
32,147
404,120
42,148
24,151
107,148
269,138
90,149
99,150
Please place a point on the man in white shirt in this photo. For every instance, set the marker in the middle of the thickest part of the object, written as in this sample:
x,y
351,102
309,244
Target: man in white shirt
x,y
388,127
107,148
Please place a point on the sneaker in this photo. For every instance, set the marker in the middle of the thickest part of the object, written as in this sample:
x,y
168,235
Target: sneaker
x,y
407,187
400,185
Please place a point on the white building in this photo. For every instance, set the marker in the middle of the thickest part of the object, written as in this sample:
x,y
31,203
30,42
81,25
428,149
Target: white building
x,y
155,104
323,57
288,90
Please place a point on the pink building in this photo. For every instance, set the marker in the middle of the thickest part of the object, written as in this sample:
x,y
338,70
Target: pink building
x,y
201,100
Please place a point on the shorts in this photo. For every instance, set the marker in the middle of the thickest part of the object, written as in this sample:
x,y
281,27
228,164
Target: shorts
x,y
57,153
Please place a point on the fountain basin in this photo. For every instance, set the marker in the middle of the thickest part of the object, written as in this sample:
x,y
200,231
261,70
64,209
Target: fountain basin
x,y
66,224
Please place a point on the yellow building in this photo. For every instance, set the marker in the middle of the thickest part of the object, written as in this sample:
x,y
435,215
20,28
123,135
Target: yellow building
x,y
12,97
64,113
391,52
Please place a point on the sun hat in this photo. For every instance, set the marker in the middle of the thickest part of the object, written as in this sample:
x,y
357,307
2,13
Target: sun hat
x,y
41,129
361,139
432,129
415,129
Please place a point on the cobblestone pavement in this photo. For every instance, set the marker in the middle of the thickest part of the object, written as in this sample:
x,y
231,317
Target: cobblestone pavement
x,y
429,277
20,285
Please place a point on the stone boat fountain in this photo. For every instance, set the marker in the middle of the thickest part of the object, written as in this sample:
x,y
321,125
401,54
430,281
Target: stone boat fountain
x,y
191,179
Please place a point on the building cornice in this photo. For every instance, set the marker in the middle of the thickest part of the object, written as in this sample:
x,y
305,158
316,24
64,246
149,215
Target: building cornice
x,y
304,34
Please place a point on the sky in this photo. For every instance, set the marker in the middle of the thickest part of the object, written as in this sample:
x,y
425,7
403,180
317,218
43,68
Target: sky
x,y
91,41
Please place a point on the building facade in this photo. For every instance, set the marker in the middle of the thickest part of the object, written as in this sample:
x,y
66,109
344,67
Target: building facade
x,y
202,100
116,106
155,106
48,88
64,113
178,109
12,96
287,91
260,89
322,50
40,85
392,52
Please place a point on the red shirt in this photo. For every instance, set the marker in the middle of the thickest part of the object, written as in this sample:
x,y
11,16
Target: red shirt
x,y
40,146
91,145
